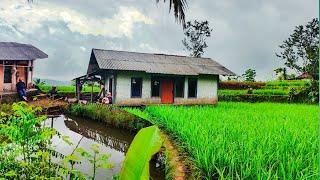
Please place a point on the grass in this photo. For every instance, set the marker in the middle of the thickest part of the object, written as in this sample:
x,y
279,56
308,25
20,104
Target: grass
x,y
267,92
243,140
271,88
290,83
69,89
110,114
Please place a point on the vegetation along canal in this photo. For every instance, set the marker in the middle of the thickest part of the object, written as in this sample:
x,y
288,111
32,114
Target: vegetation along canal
x,y
83,133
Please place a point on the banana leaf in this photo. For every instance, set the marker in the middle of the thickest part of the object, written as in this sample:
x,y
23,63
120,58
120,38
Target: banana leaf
x,y
145,144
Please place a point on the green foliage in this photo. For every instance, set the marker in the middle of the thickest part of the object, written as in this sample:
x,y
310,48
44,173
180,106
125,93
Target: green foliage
x,y
69,89
271,91
107,113
25,148
253,98
246,141
97,159
38,82
287,84
301,53
235,85
268,92
145,144
281,73
23,137
5,108
195,37
301,50
249,75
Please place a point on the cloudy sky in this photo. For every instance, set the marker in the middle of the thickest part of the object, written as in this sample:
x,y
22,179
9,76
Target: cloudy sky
x,y
246,33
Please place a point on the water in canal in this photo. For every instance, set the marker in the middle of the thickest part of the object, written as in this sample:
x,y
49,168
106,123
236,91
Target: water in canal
x,y
84,133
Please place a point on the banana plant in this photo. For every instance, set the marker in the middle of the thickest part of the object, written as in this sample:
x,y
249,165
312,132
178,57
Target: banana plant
x,y
145,144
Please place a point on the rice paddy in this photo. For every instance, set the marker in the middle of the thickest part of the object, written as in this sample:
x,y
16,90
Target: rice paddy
x,y
243,140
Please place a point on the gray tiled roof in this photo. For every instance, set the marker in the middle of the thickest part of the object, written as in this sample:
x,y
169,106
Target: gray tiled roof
x,y
157,63
17,51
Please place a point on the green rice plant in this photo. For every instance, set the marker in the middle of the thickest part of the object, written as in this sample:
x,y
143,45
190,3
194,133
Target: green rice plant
x,y
69,89
271,92
300,83
246,141
231,92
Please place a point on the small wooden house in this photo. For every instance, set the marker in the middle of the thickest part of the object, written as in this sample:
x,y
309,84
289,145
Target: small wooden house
x,y
16,62
141,78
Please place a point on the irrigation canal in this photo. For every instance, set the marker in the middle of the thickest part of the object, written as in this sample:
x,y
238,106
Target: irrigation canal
x,y
83,133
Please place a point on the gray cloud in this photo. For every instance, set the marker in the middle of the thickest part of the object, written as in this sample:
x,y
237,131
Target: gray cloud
x,y
246,34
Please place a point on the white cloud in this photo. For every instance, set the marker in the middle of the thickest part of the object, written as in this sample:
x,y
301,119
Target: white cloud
x,y
83,48
28,18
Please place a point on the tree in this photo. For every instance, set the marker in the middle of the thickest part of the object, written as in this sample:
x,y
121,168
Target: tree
x,y
301,51
281,73
249,75
179,7
195,37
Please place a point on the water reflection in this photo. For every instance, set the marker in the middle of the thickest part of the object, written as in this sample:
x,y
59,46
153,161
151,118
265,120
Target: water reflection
x,y
83,133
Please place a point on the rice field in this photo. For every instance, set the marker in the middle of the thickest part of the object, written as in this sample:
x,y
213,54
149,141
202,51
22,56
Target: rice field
x,y
243,140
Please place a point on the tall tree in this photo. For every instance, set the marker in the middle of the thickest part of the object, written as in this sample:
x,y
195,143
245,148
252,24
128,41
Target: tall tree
x,y
301,50
196,33
301,53
249,75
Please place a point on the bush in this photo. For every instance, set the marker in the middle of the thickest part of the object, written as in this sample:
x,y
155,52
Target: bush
x,y
240,85
254,98
309,94
109,114
6,108
68,89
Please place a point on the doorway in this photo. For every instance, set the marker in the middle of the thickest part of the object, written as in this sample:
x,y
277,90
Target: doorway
x,y
7,78
167,91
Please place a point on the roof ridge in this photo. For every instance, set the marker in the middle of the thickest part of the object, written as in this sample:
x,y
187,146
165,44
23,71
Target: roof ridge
x,y
158,54
199,64
15,44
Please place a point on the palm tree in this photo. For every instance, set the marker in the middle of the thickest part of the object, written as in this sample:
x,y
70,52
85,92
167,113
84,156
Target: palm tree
x,y
179,7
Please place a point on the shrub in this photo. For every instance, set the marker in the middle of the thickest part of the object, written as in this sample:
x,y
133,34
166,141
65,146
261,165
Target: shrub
x,y
241,85
109,114
255,98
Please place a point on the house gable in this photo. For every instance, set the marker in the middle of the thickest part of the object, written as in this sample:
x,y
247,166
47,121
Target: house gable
x,y
93,64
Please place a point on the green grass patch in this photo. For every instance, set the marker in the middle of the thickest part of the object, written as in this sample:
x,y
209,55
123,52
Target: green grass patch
x,y
288,83
245,141
267,92
69,89
110,114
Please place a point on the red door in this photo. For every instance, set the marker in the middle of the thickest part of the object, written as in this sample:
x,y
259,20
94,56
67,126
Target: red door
x,y
167,92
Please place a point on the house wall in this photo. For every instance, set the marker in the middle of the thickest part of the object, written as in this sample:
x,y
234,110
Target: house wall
x,y
123,89
21,71
206,90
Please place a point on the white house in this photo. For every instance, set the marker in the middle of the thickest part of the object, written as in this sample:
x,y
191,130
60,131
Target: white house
x,y
141,78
